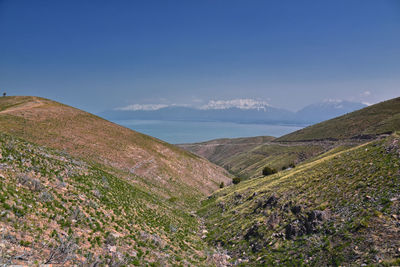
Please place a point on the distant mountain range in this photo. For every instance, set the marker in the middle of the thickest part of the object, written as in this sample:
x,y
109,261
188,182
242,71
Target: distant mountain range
x,y
326,110
257,114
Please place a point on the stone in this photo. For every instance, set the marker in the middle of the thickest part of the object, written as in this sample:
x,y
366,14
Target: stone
x,y
296,209
252,232
273,220
317,215
293,229
272,201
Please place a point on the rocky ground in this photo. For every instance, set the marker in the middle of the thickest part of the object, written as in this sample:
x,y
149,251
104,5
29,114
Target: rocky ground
x,y
342,209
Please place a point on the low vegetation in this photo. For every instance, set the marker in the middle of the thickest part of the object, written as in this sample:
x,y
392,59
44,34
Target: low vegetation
x,y
340,209
57,209
268,171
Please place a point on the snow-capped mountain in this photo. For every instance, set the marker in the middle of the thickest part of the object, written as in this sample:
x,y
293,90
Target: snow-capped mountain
x,y
236,110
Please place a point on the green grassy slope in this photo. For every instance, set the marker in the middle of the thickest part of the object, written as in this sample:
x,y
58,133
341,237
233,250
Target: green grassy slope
x,y
246,157
373,120
218,150
58,209
249,164
340,209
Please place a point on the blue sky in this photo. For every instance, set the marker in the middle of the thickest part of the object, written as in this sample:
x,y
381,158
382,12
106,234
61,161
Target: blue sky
x,y
98,55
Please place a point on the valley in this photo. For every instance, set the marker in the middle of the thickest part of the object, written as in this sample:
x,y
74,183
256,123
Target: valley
x,y
79,190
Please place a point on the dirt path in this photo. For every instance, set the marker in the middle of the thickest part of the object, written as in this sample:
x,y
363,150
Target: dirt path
x,y
24,106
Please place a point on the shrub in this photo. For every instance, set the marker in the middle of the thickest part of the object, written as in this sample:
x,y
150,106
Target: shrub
x,y
221,185
268,171
236,180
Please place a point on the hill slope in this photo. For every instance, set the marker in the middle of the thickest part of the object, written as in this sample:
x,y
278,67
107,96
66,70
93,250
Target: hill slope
x,y
57,209
340,209
218,149
164,167
380,118
77,189
246,157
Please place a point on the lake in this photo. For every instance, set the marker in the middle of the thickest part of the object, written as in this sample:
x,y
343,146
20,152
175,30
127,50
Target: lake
x,y
178,132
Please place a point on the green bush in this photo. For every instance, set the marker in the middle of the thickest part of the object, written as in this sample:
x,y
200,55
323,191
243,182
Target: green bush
x,y
221,185
268,171
236,180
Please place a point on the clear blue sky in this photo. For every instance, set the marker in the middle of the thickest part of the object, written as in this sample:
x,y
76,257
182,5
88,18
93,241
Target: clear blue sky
x,y
97,55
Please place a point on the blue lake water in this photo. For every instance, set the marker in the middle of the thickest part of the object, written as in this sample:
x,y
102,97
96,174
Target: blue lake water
x,y
178,132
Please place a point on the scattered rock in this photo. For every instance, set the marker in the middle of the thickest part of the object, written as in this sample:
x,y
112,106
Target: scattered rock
x,y
317,215
296,209
173,228
238,196
252,196
106,185
278,235
308,225
294,229
111,240
273,220
252,232
32,184
97,193
46,196
272,201
222,206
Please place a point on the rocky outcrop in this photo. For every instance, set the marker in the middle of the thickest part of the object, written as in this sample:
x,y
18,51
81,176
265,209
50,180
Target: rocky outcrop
x,y
306,224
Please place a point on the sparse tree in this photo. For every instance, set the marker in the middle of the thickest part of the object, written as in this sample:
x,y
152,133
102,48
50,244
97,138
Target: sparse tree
x,y
236,180
4,94
268,171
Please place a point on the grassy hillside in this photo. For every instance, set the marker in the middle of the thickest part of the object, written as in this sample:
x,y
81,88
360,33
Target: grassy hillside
x,y
380,118
246,157
218,150
340,209
61,210
249,164
162,167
